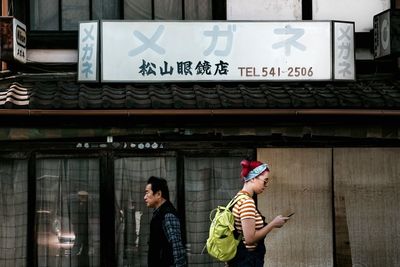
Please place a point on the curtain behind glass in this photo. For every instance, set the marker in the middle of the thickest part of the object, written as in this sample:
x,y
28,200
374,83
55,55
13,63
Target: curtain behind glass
x,y
68,212
13,212
132,216
137,10
44,15
198,10
74,11
167,9
209,182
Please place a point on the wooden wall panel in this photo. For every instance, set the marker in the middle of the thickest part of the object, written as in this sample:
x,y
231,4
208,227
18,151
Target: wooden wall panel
x,y
367,186
301,182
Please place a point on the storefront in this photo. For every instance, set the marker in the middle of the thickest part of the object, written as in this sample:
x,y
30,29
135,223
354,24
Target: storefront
x,y
75,159
79,140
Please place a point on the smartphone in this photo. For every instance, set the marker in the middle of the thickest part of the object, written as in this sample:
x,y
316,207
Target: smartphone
x,y
290,214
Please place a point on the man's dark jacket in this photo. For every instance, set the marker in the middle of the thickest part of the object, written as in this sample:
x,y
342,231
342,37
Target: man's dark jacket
x,y
160,250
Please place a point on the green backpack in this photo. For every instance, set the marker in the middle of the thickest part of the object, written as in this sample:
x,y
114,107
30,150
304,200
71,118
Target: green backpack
x,y
221,243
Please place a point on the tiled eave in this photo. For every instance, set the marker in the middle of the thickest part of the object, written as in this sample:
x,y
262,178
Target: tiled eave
x,y
61,94
342,109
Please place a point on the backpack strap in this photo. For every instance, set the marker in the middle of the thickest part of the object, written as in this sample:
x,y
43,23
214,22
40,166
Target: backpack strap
x,y
230,205
235,199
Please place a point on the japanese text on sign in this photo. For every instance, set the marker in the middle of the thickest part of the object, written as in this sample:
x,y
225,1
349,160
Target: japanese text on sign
x,y
88,51
209,51
344,51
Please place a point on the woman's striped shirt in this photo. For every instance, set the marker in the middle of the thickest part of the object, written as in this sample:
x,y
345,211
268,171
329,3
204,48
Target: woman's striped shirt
x,y
245,209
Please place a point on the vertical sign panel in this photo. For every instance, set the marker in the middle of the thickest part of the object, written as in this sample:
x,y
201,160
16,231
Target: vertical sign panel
x,y
344,68
382,34
19,41
88,52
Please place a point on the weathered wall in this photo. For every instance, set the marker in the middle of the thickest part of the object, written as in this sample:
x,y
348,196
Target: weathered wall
x,y
264,10
367,186
346,201
301,183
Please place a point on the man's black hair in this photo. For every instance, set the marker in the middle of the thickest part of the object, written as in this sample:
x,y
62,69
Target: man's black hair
x,y
159,184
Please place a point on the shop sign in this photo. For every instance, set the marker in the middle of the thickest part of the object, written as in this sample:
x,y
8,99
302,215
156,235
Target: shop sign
x,y
386,33
165,51
88,52
344,68
12,40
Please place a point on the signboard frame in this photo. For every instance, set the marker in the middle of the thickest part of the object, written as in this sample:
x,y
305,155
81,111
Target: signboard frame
x,y
88,51
343,61
143,38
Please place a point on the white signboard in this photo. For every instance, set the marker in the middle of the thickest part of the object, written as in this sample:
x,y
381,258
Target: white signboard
x,y
88,52
19,40
216,51
344,51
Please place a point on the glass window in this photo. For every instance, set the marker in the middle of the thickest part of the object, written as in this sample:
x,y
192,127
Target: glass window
x,y
167,9
209,182
44,15
13,212
64,15
74,11
138,9
198,10
67,212
132,216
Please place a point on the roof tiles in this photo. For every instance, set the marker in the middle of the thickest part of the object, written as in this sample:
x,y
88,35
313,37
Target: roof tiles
x,y
68,94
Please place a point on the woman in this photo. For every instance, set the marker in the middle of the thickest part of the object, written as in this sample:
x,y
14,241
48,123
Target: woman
x,y
248,220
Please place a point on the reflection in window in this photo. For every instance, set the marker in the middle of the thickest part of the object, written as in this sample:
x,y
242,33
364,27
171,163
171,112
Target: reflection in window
x,y
68,212
132,216
13,212
209,182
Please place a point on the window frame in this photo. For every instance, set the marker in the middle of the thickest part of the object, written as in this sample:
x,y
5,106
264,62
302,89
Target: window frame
x,y
106,158
69,39
40,39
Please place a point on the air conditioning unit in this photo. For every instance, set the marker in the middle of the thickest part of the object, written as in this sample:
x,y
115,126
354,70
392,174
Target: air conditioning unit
x,y
387,33
12,40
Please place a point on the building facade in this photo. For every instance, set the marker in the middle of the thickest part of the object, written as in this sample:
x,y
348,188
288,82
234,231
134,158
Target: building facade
x,y
75,156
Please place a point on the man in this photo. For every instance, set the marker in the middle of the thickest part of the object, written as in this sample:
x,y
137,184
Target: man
x,y
165,245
